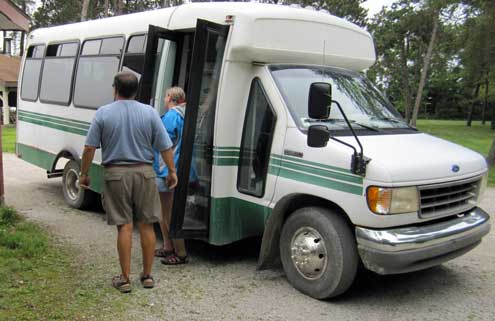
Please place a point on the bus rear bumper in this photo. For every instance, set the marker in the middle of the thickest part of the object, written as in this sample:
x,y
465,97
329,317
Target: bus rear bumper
x,y
412,248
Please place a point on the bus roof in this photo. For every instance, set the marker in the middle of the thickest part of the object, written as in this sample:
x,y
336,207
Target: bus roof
x,y
261,32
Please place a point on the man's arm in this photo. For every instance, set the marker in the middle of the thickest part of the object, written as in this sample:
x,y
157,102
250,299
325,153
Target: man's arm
x,y
168,158
87,159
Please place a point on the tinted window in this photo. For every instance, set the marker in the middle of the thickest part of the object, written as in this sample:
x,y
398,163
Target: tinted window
x,y
134,56
58,70
94,81
31,73
56,81
256,143
69,49
112,46
95,74
91,47
136,44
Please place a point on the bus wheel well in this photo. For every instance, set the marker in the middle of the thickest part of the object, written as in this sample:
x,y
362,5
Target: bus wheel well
x,y
269,253
68,154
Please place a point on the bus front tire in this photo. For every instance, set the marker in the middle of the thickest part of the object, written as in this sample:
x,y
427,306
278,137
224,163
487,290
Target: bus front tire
x,y
318,252
74,195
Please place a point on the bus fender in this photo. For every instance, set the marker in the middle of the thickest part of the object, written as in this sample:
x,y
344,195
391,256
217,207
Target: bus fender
x,y
69,153
269,253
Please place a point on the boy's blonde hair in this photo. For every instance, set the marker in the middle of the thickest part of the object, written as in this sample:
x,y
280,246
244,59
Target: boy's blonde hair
x,y
177,95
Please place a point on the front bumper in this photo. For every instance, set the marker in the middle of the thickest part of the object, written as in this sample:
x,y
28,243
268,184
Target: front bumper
x,y
413,248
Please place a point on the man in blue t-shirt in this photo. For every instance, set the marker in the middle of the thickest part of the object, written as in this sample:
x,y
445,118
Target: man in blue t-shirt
x,y
172,252
128,132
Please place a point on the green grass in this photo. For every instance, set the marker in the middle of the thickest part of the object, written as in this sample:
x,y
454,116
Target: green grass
x,y
41,279
8,139
477,137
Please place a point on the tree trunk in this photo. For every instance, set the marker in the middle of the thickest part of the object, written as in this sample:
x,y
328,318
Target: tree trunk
x,y
471,108
405,77
84,10
424,71
491,155
106,7
119,7
485,104
165,3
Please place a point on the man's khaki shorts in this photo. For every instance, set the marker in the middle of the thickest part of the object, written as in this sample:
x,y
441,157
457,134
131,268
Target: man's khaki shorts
x,y
130,194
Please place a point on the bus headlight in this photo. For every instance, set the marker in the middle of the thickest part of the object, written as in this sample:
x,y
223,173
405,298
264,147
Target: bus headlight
x,y
483,185
392,200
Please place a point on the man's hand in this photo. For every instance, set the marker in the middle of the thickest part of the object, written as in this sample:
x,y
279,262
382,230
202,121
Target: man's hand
x,y
84,181
171,180
87,159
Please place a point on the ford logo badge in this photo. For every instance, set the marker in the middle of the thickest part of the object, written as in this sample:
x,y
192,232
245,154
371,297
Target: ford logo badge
x,y
455,168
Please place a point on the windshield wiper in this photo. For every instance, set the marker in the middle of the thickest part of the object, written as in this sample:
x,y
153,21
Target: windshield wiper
x,y
330,120
392,120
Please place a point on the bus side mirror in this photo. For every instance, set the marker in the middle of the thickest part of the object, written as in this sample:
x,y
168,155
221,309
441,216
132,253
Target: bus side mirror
x,y
319,100
318,136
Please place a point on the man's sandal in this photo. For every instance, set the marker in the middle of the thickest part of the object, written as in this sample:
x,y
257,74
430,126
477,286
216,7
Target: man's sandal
x,y
122,284
147,281
161,252
174,259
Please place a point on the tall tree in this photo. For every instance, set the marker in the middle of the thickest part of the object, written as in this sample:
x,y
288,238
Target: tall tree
x,y
348,9
426,65
478,56
56,12
491,154
84,10
106,8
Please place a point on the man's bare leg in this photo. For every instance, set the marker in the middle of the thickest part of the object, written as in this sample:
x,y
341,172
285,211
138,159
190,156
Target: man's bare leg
x,y
124,246
148,239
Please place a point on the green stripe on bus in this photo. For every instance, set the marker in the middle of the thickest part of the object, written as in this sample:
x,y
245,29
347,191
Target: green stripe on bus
x,y
316,180
306,162
55,117
226,153
53,125
234,219
56,121
226,147
226,161
318,171
36,156
45,160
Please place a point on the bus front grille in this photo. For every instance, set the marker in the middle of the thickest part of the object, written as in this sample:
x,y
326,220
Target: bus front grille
x,y
448,198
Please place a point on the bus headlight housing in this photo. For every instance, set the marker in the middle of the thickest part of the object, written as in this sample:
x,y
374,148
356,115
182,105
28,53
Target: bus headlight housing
x,y
392,200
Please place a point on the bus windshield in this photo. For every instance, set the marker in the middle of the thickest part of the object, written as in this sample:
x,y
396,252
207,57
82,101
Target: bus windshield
x,y
363,104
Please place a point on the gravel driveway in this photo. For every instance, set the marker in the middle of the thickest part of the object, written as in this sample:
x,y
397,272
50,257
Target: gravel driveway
x,y
222,283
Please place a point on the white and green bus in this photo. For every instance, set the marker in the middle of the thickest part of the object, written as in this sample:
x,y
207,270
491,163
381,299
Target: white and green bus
x,y
290,142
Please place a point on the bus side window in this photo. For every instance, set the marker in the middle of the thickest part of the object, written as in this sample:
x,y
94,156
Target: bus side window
x,y
98,64
31,74
134,55
58,71
256,142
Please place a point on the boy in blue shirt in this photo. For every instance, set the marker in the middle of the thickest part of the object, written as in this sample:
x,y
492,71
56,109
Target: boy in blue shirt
x,y
173,252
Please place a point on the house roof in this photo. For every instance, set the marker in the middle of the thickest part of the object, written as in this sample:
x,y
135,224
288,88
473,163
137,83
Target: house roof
x,y
9,70
11,17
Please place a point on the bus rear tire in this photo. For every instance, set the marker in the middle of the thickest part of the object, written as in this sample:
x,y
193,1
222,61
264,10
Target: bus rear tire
x,y
318,252
74,195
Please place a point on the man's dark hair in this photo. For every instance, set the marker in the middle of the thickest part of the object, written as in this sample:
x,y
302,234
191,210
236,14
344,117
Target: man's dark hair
x,y
126,84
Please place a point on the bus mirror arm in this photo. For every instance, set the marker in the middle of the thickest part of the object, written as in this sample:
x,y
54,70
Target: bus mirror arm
x,y
359,161
318,136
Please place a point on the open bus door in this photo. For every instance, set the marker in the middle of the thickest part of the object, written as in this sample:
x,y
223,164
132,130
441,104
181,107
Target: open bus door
x,y
192,199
